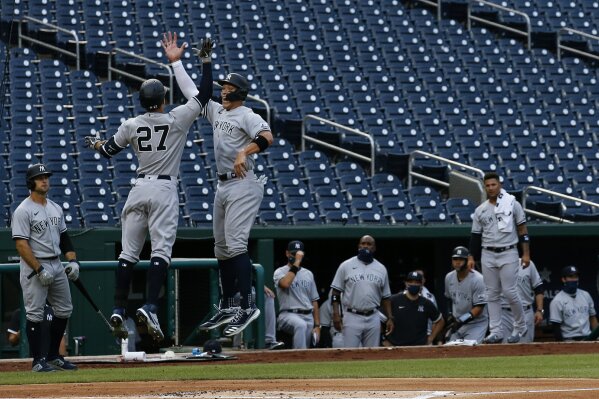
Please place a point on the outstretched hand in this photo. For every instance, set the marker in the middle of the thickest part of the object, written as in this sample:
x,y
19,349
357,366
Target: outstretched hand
x,y
171,50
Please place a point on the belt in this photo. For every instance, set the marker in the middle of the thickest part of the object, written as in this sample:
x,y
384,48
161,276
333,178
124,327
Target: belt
x,y
227,176
499,249
300,311
361,312
48,258
527,307
159,177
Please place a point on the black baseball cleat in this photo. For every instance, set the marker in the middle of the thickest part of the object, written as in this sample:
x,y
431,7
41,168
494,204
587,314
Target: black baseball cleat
x,y
147,315
274,345
221,317
242,319
60,363
41,366
117,321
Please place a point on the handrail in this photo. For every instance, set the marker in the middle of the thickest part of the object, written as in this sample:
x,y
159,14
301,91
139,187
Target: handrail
x,y
554,193
135,77
433,4
438,158
75,55
572,49
257,99
337,148
526,33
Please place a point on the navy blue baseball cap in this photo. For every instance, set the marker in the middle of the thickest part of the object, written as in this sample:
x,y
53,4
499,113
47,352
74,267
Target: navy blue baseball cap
x,y
414,276
569,271
295,246
212,346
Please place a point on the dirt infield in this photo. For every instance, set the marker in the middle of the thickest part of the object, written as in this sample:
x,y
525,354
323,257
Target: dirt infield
x,y
387,388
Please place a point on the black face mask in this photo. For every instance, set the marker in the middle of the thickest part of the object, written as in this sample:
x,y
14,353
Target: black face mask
x,y
365,255
414,289
570,287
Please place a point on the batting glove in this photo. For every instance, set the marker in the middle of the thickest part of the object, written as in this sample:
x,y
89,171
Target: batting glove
x,y
263,179
45,277
205,52
72,270
90,141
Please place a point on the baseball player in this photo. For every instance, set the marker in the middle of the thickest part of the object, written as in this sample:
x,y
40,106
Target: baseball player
x,y
428,295
365,286
465,290
530,290
326,314
572,311
40,235
298,299
238,133
498,224
157,138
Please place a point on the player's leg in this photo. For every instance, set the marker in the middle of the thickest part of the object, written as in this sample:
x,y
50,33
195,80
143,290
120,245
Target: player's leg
x,y
490,271
508,273
507,322
529,316
294,325
270,325
371,337
353,326
474,332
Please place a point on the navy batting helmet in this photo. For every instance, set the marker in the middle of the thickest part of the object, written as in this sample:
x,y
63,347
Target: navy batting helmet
x,y
212,346
39,169
242,84
151,94
460,252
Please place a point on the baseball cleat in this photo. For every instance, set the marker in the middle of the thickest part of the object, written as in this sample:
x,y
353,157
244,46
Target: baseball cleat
x,y
60,363
221,317
117,321
147,315
241,320
516,336
493,339
40,366
274,345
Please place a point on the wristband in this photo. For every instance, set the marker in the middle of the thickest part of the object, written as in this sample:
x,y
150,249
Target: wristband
x,y
294,269
261,142
316,325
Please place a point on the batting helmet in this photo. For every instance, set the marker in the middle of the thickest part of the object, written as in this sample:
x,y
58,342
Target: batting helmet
x,y
151,94
460,252
39,169
242,84
212,346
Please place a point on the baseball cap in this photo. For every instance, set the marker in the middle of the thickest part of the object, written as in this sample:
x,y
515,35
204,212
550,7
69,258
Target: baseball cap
x,y
294,246
569,271
460,252
414,276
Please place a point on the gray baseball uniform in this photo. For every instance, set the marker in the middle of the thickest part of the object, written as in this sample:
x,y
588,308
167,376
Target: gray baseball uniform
x,y
295,305
499,268
326,320
573,313
41,226
465,295
363,287
527,280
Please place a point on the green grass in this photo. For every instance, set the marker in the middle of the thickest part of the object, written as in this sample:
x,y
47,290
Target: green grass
x,y
545,366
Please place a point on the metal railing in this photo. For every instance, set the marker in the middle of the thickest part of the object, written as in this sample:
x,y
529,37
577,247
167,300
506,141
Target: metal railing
x,y
561,47
436,4
556,194
76,54
440,159
135,77
361,157
526,33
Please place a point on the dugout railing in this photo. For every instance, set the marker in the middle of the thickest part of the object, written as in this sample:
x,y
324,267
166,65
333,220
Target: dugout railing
x,y
256,333
543,215
562,47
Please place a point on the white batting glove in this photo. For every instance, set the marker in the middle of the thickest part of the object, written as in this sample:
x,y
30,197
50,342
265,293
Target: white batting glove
x,y
72,270
45,277
263,179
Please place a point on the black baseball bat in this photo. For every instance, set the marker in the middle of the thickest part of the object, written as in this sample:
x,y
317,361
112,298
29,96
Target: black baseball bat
x,y
84,292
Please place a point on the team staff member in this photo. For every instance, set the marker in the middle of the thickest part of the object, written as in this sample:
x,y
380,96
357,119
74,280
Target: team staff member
x,y
498,225
530,289
572,311
40,235
157,138
298,298
365,286
465,290
238,133
412,313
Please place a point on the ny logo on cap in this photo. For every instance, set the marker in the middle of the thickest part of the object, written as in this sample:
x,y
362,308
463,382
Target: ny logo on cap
x,y
297,245
42,168
229,76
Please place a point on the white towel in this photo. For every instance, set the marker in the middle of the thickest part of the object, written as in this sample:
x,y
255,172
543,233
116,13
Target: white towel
x,y
503,211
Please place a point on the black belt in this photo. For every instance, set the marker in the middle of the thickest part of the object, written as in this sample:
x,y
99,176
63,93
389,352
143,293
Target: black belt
x,y
159,177
300,311
499,249
227,176
527,307
361,312
48,258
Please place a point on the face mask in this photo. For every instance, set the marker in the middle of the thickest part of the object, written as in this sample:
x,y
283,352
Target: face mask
x,y
365,255
414,289
570,287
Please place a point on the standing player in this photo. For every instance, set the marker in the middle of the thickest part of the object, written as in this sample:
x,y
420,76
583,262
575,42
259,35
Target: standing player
x,y
40,235
365,286
572,311
465,290
498,225
298,298
238,133
530,290
157,138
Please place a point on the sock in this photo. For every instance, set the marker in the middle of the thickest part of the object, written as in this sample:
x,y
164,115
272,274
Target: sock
x,y
57,328
243,268
124,272
226,272
34,336
156,276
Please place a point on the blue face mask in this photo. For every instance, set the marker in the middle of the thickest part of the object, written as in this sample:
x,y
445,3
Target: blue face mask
x,y
365,255
414,289
570,287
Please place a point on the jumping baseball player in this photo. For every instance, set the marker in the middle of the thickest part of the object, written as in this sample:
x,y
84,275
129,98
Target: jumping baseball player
x,y
157,138
365,286
530,290
238,133
298,299
465,290
572,310
498,224
40,235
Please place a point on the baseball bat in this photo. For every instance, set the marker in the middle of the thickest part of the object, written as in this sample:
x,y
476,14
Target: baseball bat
x,y
84,292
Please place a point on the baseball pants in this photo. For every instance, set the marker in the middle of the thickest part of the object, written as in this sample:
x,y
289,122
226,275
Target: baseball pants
x,y
499,273
298,325
507,324
361,331
471,331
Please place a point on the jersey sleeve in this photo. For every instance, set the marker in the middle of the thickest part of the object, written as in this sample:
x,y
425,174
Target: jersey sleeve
x,y
535,277
433,312
555,311
386,286
592,311
122,137
479,296
519,215
185,114
255,124
21,228
477,228
339,279
278,275
313,290
63,223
